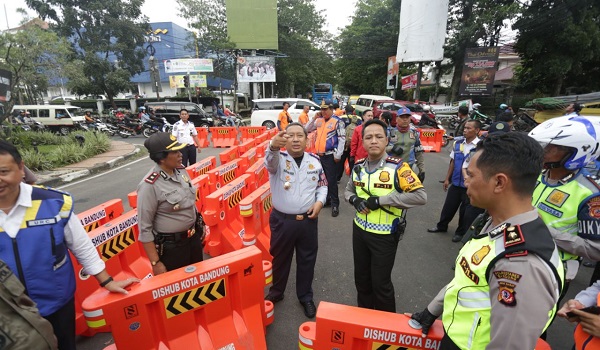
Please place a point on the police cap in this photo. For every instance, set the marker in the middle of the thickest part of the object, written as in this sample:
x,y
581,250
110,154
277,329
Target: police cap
x,y
162,142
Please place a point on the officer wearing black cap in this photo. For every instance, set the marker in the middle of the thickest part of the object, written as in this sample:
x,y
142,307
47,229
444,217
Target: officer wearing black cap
x,y
167,208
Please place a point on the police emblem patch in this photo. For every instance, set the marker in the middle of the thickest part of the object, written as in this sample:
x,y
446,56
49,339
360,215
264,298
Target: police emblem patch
x,y
479,255
594,207
384,176
464,264
507,294
557,197
311,167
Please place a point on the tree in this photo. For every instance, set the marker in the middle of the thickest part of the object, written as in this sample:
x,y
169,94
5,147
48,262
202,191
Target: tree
x,y
559,45
107,36
32,55
364,46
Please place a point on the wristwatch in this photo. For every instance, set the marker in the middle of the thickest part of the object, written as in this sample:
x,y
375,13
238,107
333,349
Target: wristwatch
x,y
153,263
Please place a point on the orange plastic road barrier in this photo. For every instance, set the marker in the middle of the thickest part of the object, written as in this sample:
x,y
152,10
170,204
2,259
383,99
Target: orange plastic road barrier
x,y
542,345
269,313
258,172
214,304
262,138
224,227
203,189
101,214
255,210
268,271
202,137
431,139
250,157
245,146
351,328
251,132
201,167
224,174
261,148
272,132
223,136
132,199
123,255
228,155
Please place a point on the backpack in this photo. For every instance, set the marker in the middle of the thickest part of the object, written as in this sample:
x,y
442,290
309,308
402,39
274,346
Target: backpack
x,y
21,325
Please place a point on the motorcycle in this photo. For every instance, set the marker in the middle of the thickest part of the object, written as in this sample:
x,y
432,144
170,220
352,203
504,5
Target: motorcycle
x,y
222,121
129,128
100,126
152,128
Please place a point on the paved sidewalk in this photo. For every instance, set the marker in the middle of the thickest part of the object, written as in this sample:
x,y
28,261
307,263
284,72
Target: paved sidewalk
x,y
120,151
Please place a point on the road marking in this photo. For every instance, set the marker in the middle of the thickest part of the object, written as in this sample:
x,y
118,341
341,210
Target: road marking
x,y
102,174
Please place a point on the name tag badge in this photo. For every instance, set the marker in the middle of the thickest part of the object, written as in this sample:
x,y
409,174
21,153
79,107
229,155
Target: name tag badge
x,y
41,222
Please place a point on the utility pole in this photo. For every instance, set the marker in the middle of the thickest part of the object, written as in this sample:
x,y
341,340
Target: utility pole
x,y
154,71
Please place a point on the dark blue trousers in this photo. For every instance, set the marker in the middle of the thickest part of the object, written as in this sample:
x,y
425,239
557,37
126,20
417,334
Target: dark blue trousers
x,y
287,235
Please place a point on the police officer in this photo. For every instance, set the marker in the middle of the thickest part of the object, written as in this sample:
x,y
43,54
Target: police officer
x,y
37,230
299,190
185,132
509,276
405,142
168,221
329,145
566,197
381,189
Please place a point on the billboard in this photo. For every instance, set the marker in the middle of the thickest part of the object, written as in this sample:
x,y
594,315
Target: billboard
x,y
409,81
252,24
5,78
176,81
478,71
422,30
188,65
392,73
256,69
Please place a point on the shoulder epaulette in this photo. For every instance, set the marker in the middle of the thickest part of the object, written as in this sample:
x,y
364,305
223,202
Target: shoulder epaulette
x,y
513,236
283,153
594,180
151,179
395,160
314,155
360,160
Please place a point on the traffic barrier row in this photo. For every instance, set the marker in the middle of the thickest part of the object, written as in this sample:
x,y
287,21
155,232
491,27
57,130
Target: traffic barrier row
x,y
124,256
245,146
224,174
202,137
228,155
251,132
223,136
201,167
432,139
251,156
258,172
255,210
214,304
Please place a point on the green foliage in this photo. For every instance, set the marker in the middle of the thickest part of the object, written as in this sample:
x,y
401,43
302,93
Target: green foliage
x,y
545,103
102,31
54,151
32,55
559,43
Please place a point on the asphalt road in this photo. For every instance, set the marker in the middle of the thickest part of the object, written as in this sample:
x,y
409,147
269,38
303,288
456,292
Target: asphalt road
x,y
422,267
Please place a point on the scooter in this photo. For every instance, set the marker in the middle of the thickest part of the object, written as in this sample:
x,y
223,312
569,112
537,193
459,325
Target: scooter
x,y
129,128
151,128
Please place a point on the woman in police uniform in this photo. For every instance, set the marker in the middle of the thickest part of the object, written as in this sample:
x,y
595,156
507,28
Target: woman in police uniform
x,y
167,208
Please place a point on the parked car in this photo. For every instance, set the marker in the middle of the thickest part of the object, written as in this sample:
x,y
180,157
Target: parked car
x,y
266,110
365,102
57,118
394,105
170,110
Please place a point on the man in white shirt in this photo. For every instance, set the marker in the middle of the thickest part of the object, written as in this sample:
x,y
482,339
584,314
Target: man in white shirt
x,y
185,132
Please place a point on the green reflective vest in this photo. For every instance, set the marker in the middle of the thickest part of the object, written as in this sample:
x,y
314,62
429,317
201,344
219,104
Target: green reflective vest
x,y
467,301
558,205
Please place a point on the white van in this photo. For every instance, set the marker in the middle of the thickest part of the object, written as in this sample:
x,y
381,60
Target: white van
x,y
365,102
266,110
57,118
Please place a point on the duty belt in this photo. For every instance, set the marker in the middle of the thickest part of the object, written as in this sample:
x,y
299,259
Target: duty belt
x,y
326,153
176,236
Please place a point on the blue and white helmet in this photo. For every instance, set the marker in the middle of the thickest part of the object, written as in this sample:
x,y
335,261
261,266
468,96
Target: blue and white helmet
x,y
582,134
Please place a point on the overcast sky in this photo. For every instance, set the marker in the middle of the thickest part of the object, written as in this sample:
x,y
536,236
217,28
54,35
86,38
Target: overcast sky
x,y
338,12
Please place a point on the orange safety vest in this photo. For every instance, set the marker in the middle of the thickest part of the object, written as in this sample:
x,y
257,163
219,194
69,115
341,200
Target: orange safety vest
x,y
585,341
327,137
284,119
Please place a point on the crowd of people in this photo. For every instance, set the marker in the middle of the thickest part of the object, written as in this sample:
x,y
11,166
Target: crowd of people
x,y
529,211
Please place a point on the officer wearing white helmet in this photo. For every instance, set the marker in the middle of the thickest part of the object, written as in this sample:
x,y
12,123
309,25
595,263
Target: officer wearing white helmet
x,y
568,199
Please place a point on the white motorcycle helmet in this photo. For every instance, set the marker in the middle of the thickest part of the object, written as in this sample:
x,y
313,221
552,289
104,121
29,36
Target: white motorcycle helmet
x,y
581,134
427,108
476,106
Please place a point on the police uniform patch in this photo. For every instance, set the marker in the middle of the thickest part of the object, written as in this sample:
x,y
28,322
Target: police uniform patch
x,y
479,255
164,175
464,264
498,230
411,135
288,164
557,197
507,275
594,207
311,167
513,236
408,176
384,176
151,179
394,160
359,184
507,294
386,186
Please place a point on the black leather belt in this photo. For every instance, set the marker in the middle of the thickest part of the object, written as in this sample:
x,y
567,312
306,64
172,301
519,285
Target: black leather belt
x,y
297,217
325,154
177,236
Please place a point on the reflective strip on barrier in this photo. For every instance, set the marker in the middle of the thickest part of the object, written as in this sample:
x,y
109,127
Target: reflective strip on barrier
x,y
194,298
255,217
306,335
223,136
96,324
94,313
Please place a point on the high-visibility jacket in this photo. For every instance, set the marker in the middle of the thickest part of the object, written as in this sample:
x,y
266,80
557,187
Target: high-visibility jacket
x,y
327,134
38,255
459,158
394,175
467,305
584,340
567,204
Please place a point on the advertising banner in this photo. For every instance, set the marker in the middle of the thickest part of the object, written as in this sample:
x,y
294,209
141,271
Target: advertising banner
x,y
176,81
5,78
392,73
256,69
409,81
252,24
188,65
479,70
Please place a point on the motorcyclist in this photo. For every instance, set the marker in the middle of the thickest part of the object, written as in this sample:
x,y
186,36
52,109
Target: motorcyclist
x,y
89,121
154,120
230,116
502,109
427,118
